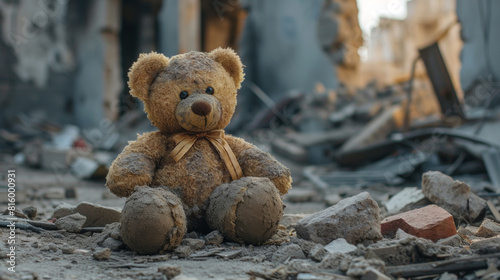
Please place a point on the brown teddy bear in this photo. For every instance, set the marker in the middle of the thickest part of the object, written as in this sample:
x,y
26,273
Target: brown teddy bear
x,y
189,175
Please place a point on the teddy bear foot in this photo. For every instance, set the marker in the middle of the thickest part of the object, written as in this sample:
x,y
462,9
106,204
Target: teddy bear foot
x,y
246,210
152,220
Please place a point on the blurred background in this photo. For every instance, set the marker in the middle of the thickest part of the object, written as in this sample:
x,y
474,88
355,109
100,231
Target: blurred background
x,y
357,86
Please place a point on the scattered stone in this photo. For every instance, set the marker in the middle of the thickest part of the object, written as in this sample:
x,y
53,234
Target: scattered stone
x,y
332,199
454,241
102,254
72,223
305,245
288,252
317,253
214,238
431,222
488,229
16,213
63,210
340,245
112,244
170,271
373,274
401,234
405,200
467,231
491,245
396,254
195,244
49,248
66,249
97,215
359,267
300,195
290,220
191,234
335,261
454,196
30,211
337,222
54,193
183,251
229,254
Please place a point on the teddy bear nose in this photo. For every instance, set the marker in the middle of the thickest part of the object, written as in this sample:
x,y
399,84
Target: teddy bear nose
x,y
201,108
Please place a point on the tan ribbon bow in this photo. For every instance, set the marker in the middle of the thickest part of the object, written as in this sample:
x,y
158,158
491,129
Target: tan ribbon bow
x,y
185,140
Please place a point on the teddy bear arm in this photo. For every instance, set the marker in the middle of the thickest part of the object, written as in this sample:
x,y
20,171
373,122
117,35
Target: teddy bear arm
x,y
257,163
133,167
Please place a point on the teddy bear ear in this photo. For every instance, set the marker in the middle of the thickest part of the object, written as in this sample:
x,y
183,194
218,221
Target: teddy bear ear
x,y
231,62
143,73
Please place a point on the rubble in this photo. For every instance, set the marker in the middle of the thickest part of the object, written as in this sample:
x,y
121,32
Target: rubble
x,y
71,223
431,222
102,254
112,244
336,222
97,215
454,196
340,245
170,271
488,229
288,252
405,200
214,238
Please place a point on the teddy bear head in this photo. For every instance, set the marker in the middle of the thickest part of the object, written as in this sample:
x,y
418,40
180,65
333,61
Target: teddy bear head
x,y
193,92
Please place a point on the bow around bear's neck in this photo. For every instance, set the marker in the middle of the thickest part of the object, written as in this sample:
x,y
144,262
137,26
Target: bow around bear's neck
x,y
185,140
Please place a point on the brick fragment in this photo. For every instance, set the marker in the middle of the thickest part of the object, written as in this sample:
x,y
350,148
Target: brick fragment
x,y
430,222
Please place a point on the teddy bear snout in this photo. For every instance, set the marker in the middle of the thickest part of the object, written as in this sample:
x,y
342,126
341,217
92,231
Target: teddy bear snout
x,y
201,108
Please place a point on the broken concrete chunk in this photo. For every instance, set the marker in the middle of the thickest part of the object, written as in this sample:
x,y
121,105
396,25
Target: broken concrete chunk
x,y
214,238
355,218
340,245
317,253
112,244
359,267
195,244
102,254
488,229
288,252
290,220
431,222
97,215
30,211
454,196
63,210
183,251
405,199
72,223
454,241
491,244
373,274
170,271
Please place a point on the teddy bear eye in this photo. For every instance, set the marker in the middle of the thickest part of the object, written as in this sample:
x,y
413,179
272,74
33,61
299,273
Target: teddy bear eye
x,y
184,94
210,90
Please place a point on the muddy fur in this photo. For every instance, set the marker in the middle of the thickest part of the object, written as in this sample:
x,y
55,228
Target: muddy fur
x,y
158,82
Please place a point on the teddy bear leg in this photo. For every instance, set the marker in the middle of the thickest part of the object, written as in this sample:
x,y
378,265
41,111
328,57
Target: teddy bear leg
x,y
246,210
153,220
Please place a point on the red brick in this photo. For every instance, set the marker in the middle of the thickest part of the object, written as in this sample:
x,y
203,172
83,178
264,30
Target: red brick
x,y
431,222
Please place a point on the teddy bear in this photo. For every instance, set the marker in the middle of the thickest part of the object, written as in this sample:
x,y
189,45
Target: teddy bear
x,y
189,175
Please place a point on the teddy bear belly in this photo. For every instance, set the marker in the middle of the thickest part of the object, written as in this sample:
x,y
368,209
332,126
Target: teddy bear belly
x,y
194,176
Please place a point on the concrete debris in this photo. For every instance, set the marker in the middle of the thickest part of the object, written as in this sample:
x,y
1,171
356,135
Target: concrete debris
x,y
112,244
405,200
431,222
102,254
30,211
214,238
454,241
288,252
72,223
340,245
454,196
183,251
359,267
97,215
170,271
337,222
317,253
488,229
488,245
373,274
62,210
290,220
195,244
